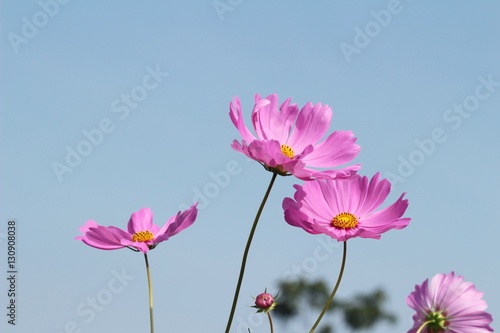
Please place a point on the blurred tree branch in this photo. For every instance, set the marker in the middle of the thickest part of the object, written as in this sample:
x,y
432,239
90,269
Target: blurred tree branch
x,y
362,312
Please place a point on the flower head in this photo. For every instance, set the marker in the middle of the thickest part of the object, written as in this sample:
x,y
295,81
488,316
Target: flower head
x,y
265,302
141,234
286,152
447,305
344,209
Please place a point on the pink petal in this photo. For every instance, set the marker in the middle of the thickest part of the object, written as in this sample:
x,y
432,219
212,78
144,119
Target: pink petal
x,y
141,220
315,201
296,218
342,235
238,121
141,246
269,153
177,223
312,123
262,105
86,227
339,148
271,124
373,193
238,146
104,238
388,218
343,173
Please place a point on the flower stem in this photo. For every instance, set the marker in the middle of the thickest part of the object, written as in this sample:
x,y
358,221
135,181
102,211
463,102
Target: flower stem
x,y
245,254
423,325
270,321
334,289
150,294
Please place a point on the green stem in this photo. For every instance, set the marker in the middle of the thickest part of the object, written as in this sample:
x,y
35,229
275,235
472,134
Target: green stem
x,y
423,325
334,289
270,321
150,294
245,254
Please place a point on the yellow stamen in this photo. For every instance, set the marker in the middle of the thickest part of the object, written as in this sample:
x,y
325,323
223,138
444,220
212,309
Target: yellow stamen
x,y
287,151
142,236
345,221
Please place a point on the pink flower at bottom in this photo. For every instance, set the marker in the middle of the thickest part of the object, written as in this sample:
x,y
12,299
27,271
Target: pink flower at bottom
x,y
344,209
449,305
141,235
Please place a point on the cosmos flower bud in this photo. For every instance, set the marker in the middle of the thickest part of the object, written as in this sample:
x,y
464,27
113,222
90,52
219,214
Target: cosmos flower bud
x,y
265,302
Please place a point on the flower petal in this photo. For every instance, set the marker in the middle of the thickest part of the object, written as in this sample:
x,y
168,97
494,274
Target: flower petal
x,y
141,246
100,237
141,220
312,174
261,105
296,218
312,123
177,223
339,148
271,124
372,194
388,218
237,118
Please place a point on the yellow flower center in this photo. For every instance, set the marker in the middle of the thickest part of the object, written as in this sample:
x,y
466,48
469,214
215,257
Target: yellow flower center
x,y
142,236
345,221
287,151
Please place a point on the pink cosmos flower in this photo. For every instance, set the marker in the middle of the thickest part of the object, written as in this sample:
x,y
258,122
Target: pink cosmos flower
x,y
141,235
448,305
344,209
287,152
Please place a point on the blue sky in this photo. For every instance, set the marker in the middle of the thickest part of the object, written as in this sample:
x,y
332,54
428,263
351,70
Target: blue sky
x,y
417,82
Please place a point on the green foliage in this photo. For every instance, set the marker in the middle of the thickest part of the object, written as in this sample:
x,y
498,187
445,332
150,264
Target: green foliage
x,y
365,310
362,312
292,294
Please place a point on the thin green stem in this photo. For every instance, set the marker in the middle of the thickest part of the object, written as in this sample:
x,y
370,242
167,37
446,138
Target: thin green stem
x,y
245,254
150,295
334,289
423,325
270,321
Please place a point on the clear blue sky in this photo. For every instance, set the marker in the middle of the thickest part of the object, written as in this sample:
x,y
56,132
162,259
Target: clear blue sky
x,y
418,83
